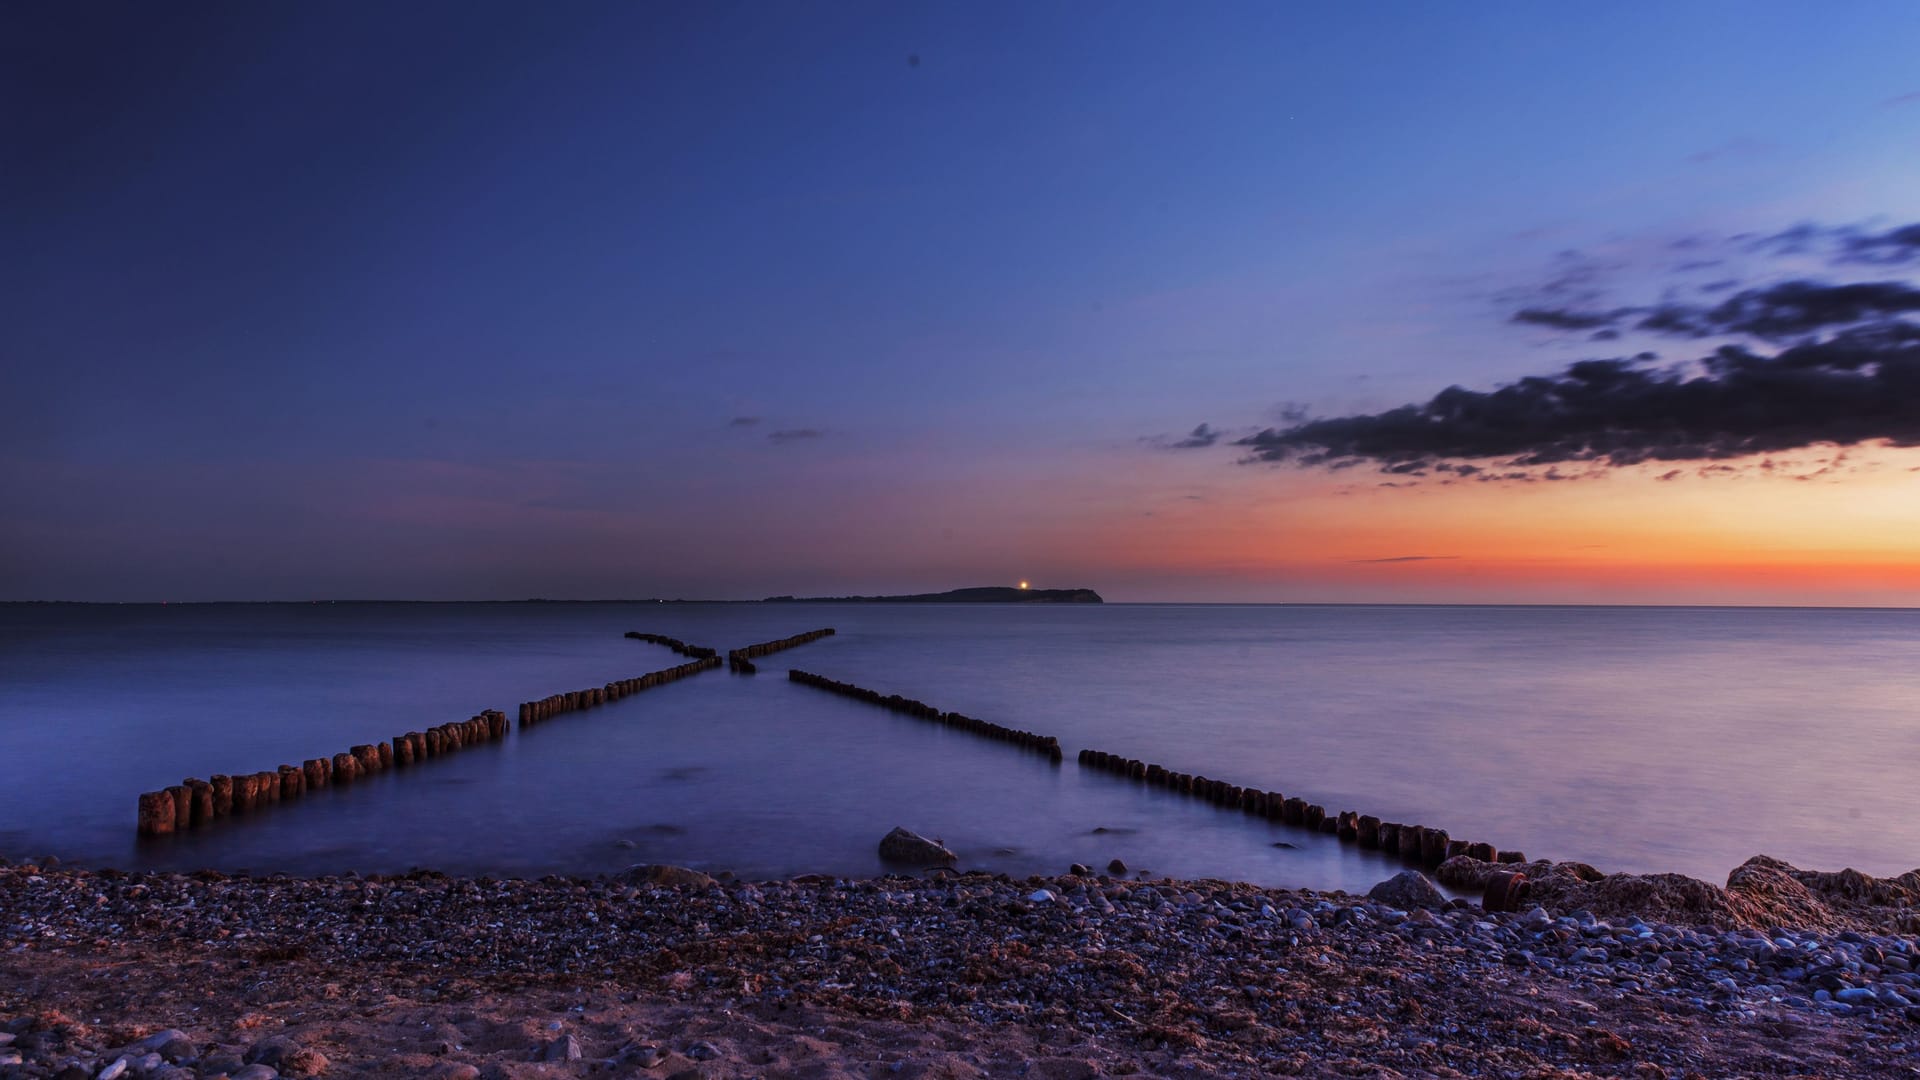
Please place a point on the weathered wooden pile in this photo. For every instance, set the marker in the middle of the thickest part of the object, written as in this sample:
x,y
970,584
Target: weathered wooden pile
x,y
194,802
1416,844
533,712
1026,740
698,652
740,661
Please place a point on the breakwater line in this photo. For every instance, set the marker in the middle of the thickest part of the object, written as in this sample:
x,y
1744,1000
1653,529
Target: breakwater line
x,y
740,661
1416,844
1026,740
534,712
698,652
194,802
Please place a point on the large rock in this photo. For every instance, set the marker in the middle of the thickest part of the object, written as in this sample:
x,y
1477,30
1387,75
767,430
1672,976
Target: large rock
x,y
156,1042
566,1048
910,847
1408,890
663,874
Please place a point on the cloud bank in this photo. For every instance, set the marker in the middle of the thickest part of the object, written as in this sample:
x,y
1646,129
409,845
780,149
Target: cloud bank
x,y
1800,363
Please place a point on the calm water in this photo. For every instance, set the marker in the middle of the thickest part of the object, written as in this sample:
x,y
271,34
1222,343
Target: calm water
x,y
1635,739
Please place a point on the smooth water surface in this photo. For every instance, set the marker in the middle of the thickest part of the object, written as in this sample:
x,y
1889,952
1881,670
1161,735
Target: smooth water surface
x,y
1631,738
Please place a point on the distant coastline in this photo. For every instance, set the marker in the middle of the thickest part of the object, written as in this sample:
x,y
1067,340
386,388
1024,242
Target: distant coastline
x,y
988,594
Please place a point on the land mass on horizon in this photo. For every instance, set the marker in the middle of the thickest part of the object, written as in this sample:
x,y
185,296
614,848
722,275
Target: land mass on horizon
x,y
985,594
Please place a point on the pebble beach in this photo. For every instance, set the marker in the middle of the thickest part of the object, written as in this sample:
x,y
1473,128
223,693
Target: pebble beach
x,y
667,972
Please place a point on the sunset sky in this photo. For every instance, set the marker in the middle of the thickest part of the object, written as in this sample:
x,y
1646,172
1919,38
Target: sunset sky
x,y
471,300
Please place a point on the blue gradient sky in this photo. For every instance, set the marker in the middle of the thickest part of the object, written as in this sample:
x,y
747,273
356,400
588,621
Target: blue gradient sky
x,y
489,300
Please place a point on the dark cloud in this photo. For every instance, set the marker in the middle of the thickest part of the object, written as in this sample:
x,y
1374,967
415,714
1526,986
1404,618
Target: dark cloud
x,y
794,435
1202,436
1565,319
1842,243
1408,558
1789,309
1891,247
1800,363
1858,387
743,421
1774,312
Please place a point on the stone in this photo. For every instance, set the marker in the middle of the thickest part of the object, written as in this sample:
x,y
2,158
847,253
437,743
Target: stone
x,y
306,1061
565,1048
256,1072
1078,870
703,1051
645,1055
1407,890
159,1040
271,1052
663,874
113,1071
1116,867
910,847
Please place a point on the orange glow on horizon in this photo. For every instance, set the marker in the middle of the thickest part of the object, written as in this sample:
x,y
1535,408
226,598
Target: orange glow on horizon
x,y
1846,538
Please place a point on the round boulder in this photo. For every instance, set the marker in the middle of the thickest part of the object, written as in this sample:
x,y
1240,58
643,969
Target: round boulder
x,y
903,846
1408,890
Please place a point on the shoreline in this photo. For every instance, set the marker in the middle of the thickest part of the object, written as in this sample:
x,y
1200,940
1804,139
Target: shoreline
x,y
670,973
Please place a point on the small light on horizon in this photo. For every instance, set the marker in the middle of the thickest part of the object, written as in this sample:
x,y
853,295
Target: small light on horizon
x,y
1023,584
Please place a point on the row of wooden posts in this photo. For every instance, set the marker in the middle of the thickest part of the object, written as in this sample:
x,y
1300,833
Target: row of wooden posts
x,y
533,712
698,652
1416,844
194,802
740,661
1026,740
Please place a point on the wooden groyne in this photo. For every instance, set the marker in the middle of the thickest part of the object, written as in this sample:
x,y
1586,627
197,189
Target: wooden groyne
x,y
533,712
1026,740
193,802
698,652
1417,844
741,660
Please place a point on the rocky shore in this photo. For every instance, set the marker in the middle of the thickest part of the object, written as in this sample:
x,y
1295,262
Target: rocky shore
x,y
665,972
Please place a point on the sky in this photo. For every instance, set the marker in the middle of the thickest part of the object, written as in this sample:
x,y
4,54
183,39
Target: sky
x,y
487,300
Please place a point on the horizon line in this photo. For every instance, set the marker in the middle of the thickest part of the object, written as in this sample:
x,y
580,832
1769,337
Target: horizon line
x,y
1104,603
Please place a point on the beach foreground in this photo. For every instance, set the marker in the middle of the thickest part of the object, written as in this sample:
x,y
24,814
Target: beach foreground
x,y
665,973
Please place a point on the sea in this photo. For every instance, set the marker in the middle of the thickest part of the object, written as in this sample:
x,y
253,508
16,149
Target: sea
x,y
1631,738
